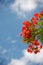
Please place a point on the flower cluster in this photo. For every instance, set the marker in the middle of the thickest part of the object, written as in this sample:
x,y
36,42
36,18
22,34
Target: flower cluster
x,y
32,32
34,47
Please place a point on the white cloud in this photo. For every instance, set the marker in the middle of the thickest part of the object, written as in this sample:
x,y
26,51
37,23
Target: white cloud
x,y
13,41
2,50
23,6
33,58
9,39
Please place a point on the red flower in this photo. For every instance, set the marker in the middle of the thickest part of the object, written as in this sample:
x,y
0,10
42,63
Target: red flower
x,y
41,13
26,23
30,46
23,27
37,15
20,34
29,29
36,43
34,21
40,46
25,32
29,50
36,51
24,40
28,32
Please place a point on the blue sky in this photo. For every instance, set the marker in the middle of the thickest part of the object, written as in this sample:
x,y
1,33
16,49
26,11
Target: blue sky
x,y
12,49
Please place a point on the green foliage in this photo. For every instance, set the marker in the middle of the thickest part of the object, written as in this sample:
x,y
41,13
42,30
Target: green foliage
x,y
40,35
41,18
40,23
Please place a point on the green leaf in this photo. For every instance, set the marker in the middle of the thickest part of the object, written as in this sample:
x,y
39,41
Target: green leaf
x,y
40,23
41,18
40,35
